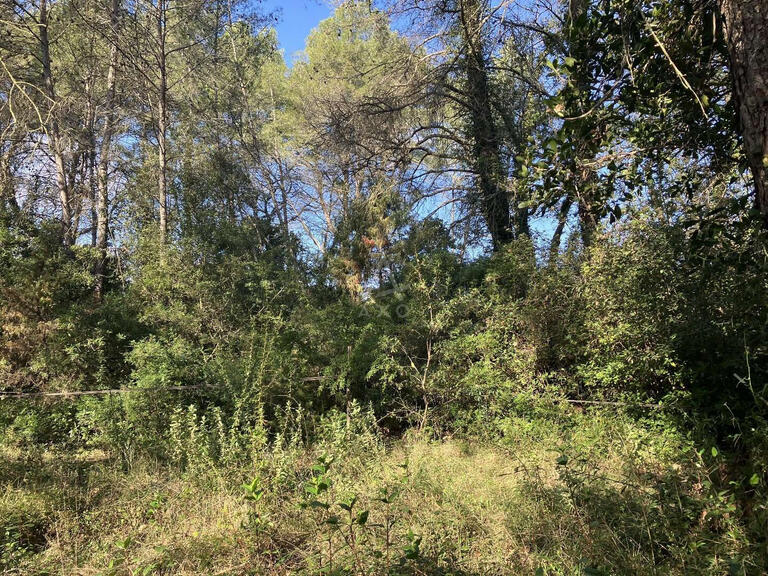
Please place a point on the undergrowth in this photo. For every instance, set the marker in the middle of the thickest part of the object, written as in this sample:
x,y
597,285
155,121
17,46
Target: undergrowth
x,y
573,492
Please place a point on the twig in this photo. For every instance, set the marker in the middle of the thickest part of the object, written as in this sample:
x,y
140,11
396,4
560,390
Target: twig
x,y
678,72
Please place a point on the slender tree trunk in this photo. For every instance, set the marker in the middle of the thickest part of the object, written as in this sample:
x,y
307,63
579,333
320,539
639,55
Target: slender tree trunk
x,y
486,145
90,172
522,226
587,210
53,133
94,189
102,203
162,123
162,180
557,236
8,201
745,24
78,185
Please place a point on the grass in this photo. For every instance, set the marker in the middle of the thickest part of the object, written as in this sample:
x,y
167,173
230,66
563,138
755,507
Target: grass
x,y
572,493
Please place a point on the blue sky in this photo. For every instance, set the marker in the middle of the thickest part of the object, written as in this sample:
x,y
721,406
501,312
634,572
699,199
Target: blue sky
x,y
296,18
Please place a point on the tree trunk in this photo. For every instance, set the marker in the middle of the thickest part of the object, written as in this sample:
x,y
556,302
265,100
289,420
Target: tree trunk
x,y
582,130
102,203
586,209
557,236
54,134
8,201
162,180
90,170
745,25
162,123
486,145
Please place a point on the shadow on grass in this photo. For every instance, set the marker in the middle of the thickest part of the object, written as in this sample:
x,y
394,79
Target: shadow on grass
x,y
643,524
35,483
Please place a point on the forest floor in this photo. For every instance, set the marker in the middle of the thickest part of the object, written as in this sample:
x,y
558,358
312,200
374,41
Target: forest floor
x,y
591,493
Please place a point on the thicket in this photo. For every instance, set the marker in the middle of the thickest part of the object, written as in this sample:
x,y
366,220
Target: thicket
x,y
468,285
504,349
649,314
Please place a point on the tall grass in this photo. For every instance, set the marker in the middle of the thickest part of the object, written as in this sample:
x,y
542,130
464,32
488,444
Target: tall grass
x,y
591,492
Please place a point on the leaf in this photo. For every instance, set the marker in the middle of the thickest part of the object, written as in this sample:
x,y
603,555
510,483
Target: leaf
x,y
562,460
754,480
362,517
412,549
714,452
387,496
551,145
254,496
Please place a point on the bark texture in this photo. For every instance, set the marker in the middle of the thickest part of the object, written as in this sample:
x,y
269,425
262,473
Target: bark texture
x,y
745,24
485,137
162,120
108,128
54,134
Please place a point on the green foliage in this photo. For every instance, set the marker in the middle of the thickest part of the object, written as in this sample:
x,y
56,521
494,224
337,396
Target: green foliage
x,y
321,307
46,294
632,318
52,336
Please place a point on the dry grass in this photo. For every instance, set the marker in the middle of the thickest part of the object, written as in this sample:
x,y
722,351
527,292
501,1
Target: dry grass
x,y
480,509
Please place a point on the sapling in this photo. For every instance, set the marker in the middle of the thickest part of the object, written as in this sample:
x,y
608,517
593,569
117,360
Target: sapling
x,y
253,494
314,490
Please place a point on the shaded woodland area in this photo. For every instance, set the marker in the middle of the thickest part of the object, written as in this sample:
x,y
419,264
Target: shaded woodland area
x,y
471,287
